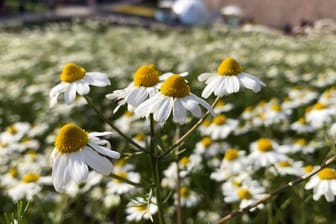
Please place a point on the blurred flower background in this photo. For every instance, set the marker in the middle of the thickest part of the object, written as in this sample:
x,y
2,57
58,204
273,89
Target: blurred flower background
x,y
283,131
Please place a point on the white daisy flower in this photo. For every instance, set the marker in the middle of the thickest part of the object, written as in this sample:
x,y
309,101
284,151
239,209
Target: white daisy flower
x,y
174,97
75,79
320,115
222,126
140,209
74,150
189,198
324,183
301,126
116,186
245,192
232,164
207,148
228,79
144,85
265,152
288,167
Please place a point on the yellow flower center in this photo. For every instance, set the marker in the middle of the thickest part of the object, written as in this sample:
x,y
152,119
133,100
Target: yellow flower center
x,y
122,174
185,192
284,164
30,177
206,141
231,154
12,130
72,72
141,208
219,104
206,123
327,174
146,75
248,109
175,86
140,137
184,161
265,145
71,138
308,168
302,120
319,106
236,183
120,163
128,113
13,172
219,119
244,194
276,108
301,142
229,66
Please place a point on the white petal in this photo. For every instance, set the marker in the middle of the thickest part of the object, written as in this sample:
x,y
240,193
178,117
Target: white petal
x,y
209,88
97,79
82,87
105,151
179,113
232,84
220,87
60,174
203,103
191,104
70,94
77,168
251,82
137,96
164,110
95,161
204,76
165,76
59,88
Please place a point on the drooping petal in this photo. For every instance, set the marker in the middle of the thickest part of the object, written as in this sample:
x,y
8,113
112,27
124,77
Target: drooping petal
x,y
60,174
163,112
70,94
95,161
232,84
97,79
204,76
137,96
179,112
105,151
77,168
82,87
251,82
191,105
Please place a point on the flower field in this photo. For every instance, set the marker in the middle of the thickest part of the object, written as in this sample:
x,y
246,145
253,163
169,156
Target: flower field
x,y
173,146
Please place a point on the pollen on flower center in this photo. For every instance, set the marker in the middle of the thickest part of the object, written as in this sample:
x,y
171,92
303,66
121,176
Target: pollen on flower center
x,y
122,174
219,119
185,192
184,161
229,66
12,130
146,76
284,164
30,177
231,154
244,194
319,106
301,141
72,72
71,138
175,86
308,168
206,141
327,174
265,145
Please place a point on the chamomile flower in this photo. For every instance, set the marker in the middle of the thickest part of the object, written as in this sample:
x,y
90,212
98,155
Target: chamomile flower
x,y
74,151
265,152
144,85
74,79
228,79
222,126
233,163
189,198
324,183
288,167
174,98
117,186
208,148
246,192
302,126
320,115
140,209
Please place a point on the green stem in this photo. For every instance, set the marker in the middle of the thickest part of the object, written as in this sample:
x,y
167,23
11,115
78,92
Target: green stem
x,y
189,132
115,176
89,101
155,171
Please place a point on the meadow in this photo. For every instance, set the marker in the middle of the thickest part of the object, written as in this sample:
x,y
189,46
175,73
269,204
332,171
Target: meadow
x,y
213,171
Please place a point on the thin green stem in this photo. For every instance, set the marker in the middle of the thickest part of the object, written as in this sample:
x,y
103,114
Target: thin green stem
x,y
189,132
276,191
178,182
89,101
115,176
156,172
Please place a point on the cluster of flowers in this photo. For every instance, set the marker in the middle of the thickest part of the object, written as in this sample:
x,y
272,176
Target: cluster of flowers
x,y
276,137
